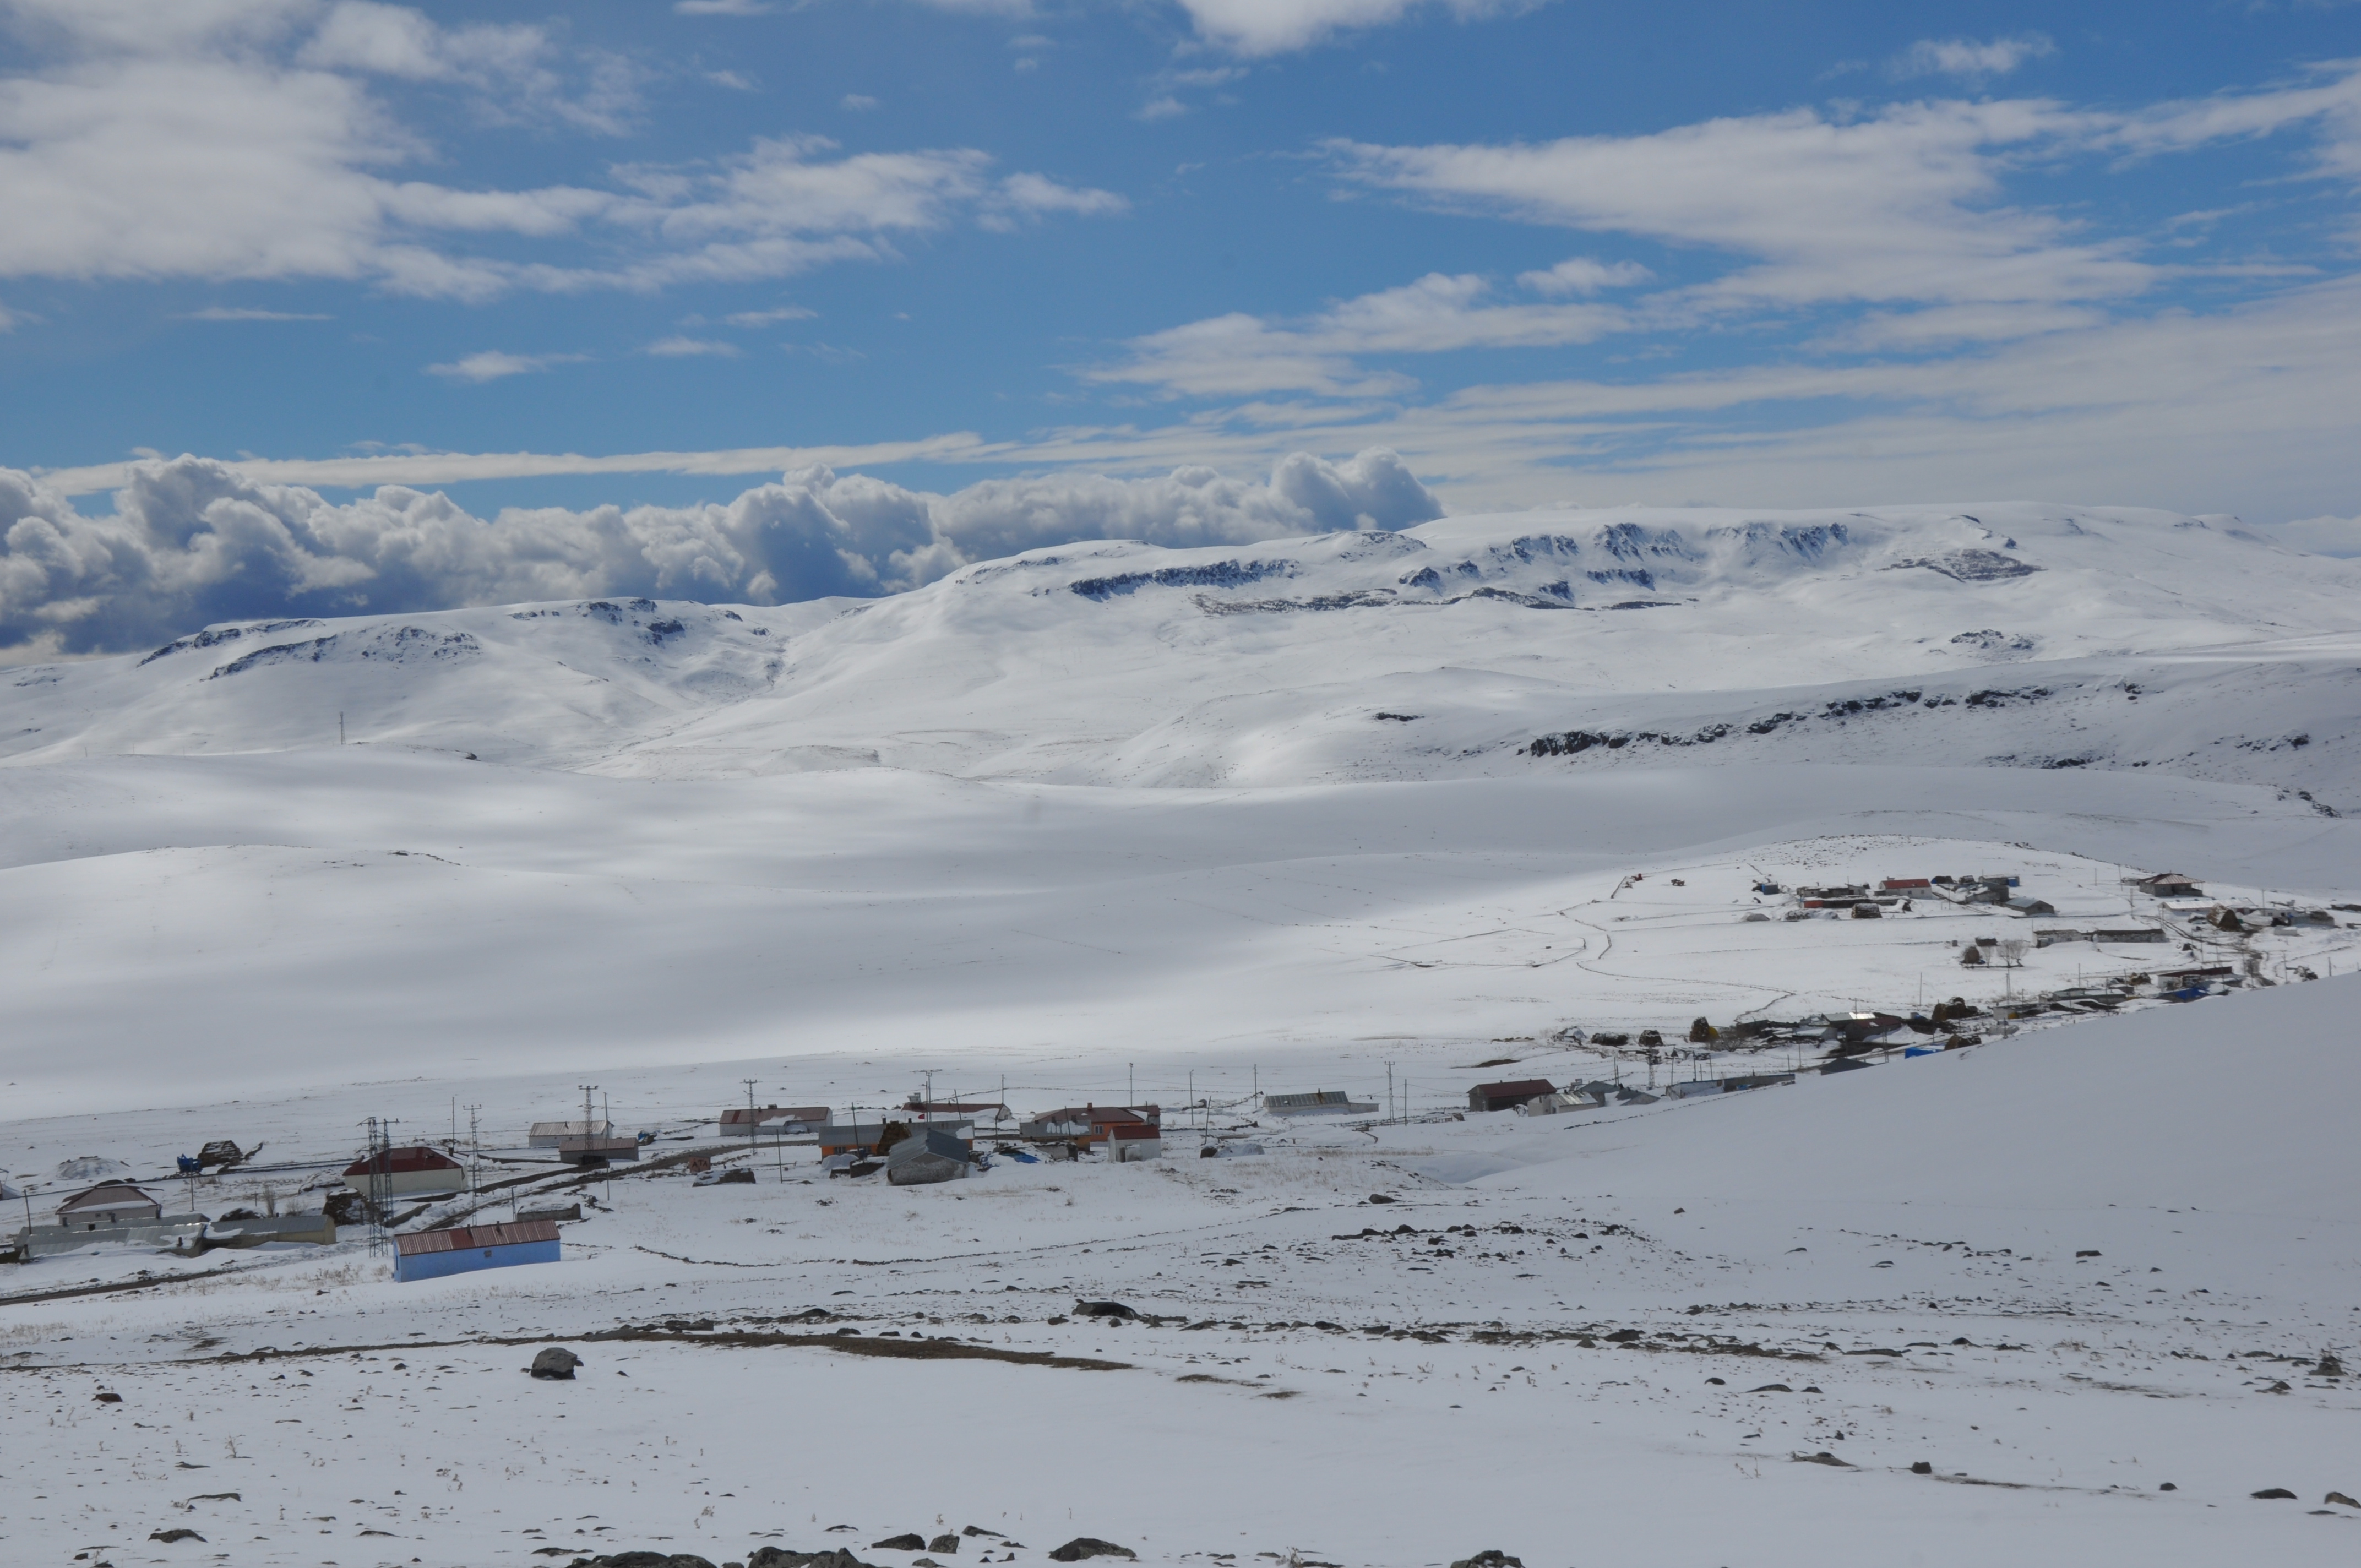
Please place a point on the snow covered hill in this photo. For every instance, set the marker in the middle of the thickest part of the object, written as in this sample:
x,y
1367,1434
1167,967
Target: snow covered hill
x,y
2009,634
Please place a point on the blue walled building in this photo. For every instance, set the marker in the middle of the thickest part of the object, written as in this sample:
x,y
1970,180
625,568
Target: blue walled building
x,y
431,1254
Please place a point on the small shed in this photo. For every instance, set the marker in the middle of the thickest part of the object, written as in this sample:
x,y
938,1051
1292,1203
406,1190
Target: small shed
x,y
408,1173
2132,934
1509,1094
927,1154
431,1254
1128,1141
108,1205
550,1135
2030,906
2169,884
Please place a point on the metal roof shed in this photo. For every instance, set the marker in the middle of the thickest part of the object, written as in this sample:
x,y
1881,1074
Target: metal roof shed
x,y
431,1254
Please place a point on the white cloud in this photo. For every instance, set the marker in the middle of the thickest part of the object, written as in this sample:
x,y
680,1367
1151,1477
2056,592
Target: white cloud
x,y
193,541
1585,275
770,317
857,101
240,314
243,141
2243,410
1242,355
1274,27
691,348
720,7
1966,56
1903,204
1033,193
492,365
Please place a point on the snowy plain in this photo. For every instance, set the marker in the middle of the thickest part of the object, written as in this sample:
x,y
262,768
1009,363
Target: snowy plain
x,y
1110,821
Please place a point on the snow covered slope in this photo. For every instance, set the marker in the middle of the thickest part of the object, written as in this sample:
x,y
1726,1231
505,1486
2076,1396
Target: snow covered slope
x,y
2085,1296
2011,634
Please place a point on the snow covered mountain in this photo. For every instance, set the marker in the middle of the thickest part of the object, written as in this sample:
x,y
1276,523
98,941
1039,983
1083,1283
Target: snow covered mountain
x,y
2010,634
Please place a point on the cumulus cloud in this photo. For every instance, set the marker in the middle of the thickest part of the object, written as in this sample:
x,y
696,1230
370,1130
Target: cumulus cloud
x,y
192,540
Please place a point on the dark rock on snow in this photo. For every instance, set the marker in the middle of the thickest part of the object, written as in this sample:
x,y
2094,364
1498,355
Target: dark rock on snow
x,y
1922,1468
1492,1557
1104,1309
2274,1493
555,1363
1083,1546
779,1557
945,1543
169,1536
906,1541
2341,1497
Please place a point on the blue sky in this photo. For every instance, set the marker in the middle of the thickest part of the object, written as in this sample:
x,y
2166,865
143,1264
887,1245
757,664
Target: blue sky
x,y
1548,253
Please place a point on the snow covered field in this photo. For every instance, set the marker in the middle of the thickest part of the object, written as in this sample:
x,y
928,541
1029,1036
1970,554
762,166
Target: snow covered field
x,y
1110,822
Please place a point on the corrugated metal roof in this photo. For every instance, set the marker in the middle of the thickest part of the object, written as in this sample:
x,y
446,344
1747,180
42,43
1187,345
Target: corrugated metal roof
x,y
1525,1088
743,1114
466,1238
403,1162
1128,1131
109,1195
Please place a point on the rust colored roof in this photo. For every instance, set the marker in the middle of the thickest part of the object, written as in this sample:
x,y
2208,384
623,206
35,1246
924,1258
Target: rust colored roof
x,y
742,1115
465,1238
1517,1089
404,1162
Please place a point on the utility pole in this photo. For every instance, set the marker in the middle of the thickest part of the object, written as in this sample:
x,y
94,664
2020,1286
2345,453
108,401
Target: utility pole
x,y
752,1124
1389,1092
340,727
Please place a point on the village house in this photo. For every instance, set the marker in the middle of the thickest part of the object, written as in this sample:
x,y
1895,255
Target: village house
x,y
113,1212
1134,1140
407,1173
2169,884
550,1135
1087,1123
782,1122
1508,1094
862,1135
